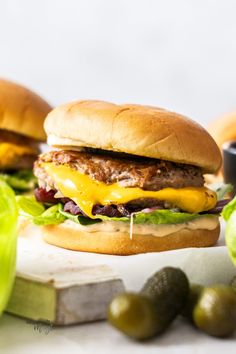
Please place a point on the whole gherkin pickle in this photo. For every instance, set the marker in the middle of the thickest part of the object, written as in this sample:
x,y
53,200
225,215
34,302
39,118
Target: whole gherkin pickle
x,y
169,289
215,312
195,291
149,313
135,315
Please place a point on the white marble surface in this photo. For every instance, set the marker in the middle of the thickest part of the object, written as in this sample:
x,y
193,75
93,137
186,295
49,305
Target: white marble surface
x,y
19,337
207,266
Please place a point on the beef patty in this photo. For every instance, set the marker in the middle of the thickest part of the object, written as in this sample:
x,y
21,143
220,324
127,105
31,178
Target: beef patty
x,y
7,136
148,174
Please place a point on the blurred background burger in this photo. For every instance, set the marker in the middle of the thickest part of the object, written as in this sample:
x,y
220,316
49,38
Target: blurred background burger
x,y
22,113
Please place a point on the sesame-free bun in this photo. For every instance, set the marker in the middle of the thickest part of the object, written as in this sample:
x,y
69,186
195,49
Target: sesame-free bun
x,y
134,129
22,111
223,129
119,243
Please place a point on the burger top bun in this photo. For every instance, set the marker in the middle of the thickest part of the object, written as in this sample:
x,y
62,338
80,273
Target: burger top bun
x,y
22,111
134,129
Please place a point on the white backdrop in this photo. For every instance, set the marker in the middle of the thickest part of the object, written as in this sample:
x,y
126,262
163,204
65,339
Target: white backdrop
x,y
180,54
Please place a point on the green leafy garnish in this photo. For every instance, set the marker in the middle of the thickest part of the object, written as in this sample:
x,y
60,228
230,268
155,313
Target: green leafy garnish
x,y
50,216
20,181
29,206
229,209
164,217
31,209
8,232
157,217
230,235
79,219
229,214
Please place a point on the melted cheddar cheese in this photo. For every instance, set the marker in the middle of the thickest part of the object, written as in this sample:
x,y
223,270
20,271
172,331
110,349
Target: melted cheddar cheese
x,y
86,192
9,151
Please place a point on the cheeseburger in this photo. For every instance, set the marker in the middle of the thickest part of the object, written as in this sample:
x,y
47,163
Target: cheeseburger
x,y
22,114
125,179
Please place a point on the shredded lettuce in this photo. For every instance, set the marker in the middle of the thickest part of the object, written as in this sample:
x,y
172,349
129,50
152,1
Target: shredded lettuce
x,y
8,232
20,181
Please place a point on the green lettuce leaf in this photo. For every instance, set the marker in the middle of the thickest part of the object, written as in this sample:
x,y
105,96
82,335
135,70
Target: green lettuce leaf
x,y
79,219
8,232
39,215
157,217
50,216
229,214
164,217
55,214
29,206
229,209
230,235
20,181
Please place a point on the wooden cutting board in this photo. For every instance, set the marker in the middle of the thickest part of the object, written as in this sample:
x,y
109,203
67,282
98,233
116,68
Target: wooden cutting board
x,y
58,287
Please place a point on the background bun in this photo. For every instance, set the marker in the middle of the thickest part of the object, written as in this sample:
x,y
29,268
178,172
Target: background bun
x,y
223,129
134,129
22,111
118,243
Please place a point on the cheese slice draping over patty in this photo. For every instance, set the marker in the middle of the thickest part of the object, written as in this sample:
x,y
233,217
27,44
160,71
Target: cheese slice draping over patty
x,y
86,192
10,152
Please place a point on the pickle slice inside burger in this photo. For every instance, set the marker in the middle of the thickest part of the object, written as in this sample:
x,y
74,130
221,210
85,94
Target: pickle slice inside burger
x,y
21,132
125,179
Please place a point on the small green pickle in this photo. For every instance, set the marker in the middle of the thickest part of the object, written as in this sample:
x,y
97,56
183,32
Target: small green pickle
x,y
135,315
149,313
215,312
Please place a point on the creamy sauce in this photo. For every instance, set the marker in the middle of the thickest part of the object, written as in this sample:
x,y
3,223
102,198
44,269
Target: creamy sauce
x,y
207,223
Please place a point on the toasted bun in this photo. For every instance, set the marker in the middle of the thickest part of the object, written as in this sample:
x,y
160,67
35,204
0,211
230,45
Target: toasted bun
x,y
133,129
119,243
223,129
22,111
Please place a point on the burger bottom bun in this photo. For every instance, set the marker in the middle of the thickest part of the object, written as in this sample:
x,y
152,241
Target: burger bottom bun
x,y
119,243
